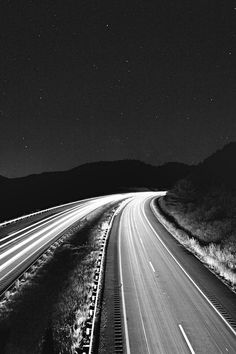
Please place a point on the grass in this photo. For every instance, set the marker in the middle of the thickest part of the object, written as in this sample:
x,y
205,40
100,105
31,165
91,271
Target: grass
x,y
211,245
72,308
48,314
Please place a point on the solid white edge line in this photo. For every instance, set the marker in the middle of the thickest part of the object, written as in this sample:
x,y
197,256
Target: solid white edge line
x,y
98,290
152,266
39,212
40,235
33,226
192,281
99,286
134,283
56,207
186,339
123,299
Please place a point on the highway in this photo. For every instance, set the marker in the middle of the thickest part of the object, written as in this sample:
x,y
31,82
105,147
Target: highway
x,y
164,310
19,249
164,307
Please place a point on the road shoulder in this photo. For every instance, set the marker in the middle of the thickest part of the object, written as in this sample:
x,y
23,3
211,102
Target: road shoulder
x,y
111,326
216,291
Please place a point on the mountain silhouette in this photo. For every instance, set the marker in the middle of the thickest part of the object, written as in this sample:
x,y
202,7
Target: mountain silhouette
x,y
219,167
35,192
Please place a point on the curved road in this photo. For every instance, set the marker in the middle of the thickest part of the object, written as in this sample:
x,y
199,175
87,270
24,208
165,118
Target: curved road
x,y
19,249
164,307
164,310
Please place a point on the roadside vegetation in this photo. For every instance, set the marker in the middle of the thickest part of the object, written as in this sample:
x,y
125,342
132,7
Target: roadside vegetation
x,y
48,314
202,209
206,220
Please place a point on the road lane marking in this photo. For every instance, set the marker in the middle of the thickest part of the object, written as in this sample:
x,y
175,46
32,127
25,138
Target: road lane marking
x,y
44,220
186,339
48,234
123,301
53,224
50,228
188,276
135,287
152,266
153,269
46,238
32,227
39,212
81,201
99,285
142,245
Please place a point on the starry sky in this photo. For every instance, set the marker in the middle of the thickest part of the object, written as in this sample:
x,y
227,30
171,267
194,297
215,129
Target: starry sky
x,y
85,80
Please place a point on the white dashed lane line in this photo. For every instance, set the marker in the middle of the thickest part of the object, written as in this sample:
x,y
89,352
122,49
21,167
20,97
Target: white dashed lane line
x,y
153,269
186,340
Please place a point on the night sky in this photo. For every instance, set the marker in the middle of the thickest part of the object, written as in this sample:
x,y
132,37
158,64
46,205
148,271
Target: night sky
x,y
85,81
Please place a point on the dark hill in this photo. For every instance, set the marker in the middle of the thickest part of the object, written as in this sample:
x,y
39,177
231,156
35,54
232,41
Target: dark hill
x,y
219,168
35,192
205,201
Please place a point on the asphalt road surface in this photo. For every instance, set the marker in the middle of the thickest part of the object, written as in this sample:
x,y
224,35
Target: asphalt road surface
x,y
20,248
164,310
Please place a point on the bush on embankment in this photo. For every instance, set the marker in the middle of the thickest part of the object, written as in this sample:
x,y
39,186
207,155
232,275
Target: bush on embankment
x,y
204,205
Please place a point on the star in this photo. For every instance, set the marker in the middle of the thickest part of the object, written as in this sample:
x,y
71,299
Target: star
x,y
95,67
108,26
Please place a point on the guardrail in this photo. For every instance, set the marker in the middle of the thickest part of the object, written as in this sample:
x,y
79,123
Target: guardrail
x,y
89,328
90,324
